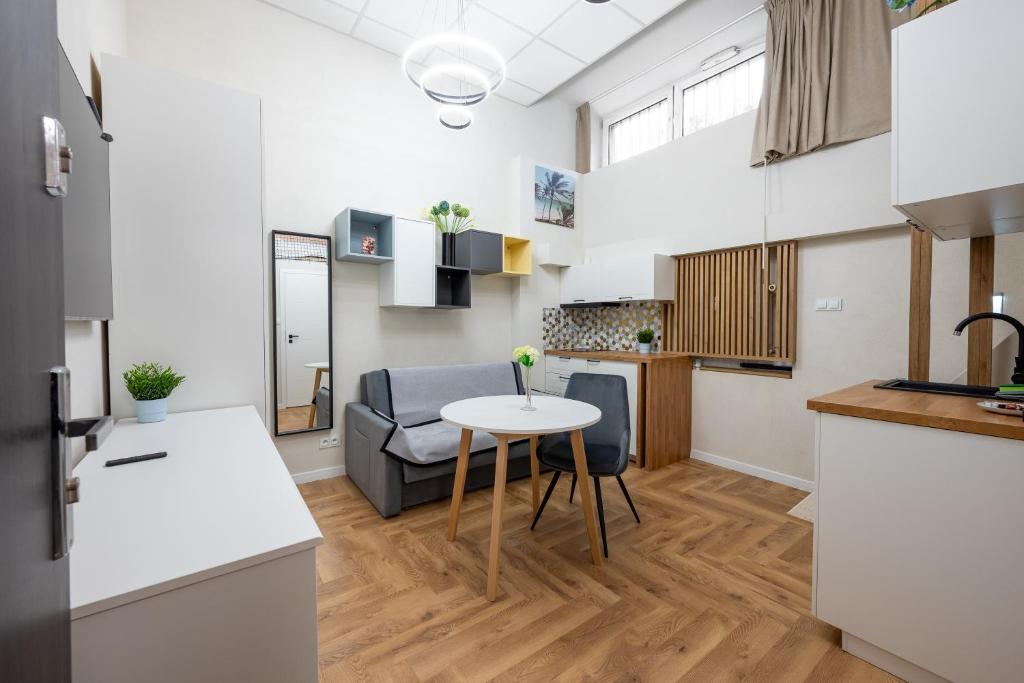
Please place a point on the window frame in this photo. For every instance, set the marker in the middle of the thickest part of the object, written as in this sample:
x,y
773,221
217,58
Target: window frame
x,y
674,94
637,106
692,80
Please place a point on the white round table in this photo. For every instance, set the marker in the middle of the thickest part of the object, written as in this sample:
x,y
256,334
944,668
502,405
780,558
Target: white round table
x,y
504,418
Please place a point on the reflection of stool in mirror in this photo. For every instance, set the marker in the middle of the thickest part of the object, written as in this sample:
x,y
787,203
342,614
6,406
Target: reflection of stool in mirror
x,y
320,368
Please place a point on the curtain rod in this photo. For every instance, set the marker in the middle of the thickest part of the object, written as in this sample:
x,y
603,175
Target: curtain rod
x,y
675,54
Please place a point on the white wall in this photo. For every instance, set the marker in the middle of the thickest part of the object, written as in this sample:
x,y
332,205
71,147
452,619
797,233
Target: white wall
x,y
87,28
699,192
342,127
868,339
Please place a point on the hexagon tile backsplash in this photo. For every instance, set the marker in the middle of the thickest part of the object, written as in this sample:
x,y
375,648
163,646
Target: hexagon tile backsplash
x,y
609,328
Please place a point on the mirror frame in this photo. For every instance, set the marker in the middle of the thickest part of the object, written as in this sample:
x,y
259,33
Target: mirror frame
x,y
330,325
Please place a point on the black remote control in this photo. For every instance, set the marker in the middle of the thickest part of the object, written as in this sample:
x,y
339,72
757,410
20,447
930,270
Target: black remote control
x,y
136,458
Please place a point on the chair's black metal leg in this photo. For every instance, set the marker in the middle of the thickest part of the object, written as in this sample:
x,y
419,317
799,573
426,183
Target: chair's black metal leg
x,y
572,487
547,494
600,513
629,500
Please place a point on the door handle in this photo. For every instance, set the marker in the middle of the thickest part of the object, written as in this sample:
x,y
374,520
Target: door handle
x,y
65,489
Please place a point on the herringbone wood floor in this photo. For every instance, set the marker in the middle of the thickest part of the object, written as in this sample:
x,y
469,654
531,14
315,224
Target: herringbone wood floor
x,y
714,585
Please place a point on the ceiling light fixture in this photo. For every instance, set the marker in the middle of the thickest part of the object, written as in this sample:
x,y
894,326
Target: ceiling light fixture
x,y
597,2
469,69
719,57
455,117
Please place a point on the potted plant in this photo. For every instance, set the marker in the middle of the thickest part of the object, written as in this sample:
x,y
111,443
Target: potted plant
x,y
150,384
644,337
527,356
440,214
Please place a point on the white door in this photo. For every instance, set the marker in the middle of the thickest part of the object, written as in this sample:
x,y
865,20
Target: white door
x,y
303,315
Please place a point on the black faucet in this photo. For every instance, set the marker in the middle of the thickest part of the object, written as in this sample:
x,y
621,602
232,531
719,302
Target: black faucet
x,y
1018,366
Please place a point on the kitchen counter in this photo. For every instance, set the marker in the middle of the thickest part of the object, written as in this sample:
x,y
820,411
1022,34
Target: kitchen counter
x,y
917,524
621,356
955,413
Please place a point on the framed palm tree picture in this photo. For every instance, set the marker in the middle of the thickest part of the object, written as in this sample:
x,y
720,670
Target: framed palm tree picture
x,y
554,197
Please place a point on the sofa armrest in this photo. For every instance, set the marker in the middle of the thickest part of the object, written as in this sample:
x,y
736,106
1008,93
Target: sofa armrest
x,y
377,476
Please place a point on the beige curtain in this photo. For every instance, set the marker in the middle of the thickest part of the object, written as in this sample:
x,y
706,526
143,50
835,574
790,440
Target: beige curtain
x,y
827,75
583,138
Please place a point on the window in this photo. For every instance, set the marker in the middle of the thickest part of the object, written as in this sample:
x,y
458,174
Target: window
x,y
646,129
710,97
730,93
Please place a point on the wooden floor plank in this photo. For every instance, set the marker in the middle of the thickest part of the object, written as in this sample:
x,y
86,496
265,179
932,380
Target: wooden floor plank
x,y
714,584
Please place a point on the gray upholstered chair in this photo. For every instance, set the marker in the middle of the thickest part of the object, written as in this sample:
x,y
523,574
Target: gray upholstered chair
x,y
606,443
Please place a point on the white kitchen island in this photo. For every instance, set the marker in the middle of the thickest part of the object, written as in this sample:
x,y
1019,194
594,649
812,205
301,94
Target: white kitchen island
x,y
918,540
195,567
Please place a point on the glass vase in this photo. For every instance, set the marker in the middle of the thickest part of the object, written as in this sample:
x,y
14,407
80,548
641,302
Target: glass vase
x,y
529,391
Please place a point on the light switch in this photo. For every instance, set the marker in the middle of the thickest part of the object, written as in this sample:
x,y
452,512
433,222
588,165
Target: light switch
x,y
835,303
821,304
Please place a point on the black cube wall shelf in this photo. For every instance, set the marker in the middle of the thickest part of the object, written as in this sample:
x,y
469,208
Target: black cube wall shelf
x,y
479,251
453,288
351,226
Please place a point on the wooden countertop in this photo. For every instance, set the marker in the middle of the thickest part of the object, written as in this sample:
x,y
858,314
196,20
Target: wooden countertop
x,y
956,413
624,356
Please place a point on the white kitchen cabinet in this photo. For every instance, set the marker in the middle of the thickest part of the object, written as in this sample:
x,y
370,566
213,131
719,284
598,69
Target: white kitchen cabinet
x,y
956,109
918,551
565,365
556,382
409,279
627,371
580,283
639,278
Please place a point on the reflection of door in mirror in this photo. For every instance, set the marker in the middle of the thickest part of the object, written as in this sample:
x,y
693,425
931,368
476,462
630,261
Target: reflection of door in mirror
x,y
302,335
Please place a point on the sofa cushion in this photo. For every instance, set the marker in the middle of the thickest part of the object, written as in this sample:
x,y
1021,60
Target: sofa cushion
x,y
432,443
418,394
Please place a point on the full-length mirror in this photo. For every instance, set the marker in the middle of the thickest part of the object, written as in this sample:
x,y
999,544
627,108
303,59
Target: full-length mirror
x,y
303,377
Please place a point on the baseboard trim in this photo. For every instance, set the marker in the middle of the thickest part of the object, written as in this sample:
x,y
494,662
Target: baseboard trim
x,y
317,475
753,470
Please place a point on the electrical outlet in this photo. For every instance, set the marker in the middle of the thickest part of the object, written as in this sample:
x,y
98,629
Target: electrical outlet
x,y
325,442
335,441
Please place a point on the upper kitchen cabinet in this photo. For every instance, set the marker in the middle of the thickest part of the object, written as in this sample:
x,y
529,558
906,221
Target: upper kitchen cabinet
x,y
638,278
957,99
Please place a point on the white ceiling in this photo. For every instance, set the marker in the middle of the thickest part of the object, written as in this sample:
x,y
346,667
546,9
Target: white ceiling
x,y
545,42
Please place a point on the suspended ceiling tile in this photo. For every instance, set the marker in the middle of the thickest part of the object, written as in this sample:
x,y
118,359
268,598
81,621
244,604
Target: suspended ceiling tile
x,y
542,67
648,11
590,31
322,12
519,93
506,38
533,15
415,17
354,5
382,36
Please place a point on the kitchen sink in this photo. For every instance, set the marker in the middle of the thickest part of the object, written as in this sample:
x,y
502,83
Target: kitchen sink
x,y
939,388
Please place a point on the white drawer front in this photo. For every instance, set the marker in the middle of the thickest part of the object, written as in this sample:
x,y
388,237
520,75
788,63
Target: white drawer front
x,y
556,382
565,364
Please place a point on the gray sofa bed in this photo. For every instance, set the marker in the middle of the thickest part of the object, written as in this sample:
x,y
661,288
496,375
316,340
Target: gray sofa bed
x,y
400,453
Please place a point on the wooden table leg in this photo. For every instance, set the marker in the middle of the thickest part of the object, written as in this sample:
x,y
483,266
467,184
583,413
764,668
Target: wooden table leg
x,y
500,470
461,467
312,404
534,474
580,457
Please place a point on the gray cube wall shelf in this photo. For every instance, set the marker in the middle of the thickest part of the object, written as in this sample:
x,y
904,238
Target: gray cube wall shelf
x,y
479,251
454,289
352,225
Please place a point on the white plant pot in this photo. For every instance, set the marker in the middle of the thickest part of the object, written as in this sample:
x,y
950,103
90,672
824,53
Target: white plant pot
x,y
151,411
643,348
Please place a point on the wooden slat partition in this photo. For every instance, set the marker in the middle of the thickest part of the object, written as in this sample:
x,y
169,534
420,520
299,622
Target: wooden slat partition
x,y
725,306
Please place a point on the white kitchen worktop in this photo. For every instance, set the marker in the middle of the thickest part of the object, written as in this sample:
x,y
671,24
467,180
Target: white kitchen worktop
x,y
222,500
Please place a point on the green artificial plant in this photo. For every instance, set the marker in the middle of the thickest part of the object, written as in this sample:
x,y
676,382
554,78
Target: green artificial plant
x,y
458,214
150,381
